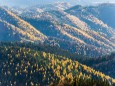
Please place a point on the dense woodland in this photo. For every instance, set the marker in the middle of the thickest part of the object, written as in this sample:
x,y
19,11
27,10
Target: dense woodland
x,y
105,64
23,65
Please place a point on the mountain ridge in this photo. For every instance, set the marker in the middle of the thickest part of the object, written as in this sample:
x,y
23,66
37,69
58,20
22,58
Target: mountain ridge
x,y
86,32
12,19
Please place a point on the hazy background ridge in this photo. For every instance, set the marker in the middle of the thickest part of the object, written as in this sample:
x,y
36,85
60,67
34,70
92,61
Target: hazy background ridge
x,y
25,3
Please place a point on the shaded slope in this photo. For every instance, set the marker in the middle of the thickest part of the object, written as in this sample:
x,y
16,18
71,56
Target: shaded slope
x,y
105,64
105,12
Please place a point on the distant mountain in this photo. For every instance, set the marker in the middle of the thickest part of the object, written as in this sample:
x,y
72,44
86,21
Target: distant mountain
x,y
90,16
64,26
55,6
96,20
34,10
76,29
105,12
13,28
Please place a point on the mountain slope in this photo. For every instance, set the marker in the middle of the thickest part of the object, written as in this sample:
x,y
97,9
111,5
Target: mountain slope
x,y
94,22
105,64
105,12
60,25
24,66
76,29
10,20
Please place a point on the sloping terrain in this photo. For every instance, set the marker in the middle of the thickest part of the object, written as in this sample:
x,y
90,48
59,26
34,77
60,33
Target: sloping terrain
x,y
105,12
57,41
17,29
76,29
63,27
25,66
105,64
90,18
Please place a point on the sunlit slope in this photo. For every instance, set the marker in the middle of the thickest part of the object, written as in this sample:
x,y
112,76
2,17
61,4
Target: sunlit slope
x,y
69,26
90,15
23,66
10,20
75,29
77,32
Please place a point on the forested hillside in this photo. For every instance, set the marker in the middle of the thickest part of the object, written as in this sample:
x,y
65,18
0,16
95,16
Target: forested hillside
x,y
26,66
105,64
13,28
